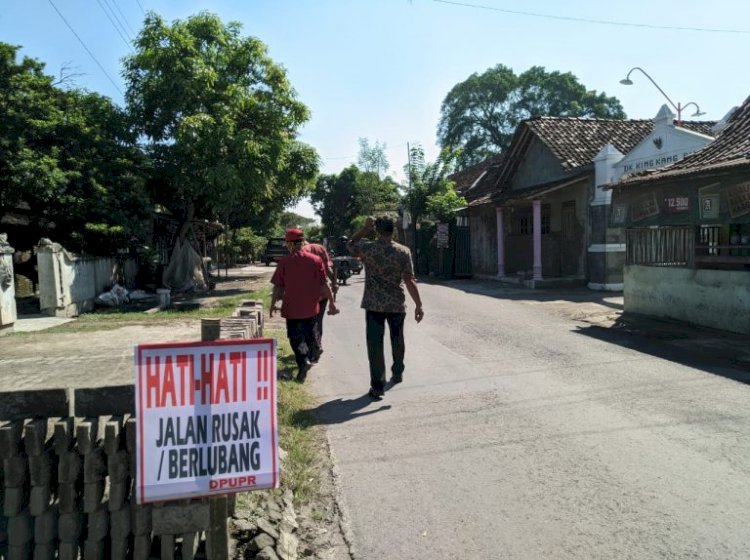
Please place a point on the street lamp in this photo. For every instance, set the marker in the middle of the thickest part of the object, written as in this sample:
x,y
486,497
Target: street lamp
x,y
678,107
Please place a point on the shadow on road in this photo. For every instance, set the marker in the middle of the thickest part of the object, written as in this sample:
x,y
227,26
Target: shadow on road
x,y
339,411
716,352
495,289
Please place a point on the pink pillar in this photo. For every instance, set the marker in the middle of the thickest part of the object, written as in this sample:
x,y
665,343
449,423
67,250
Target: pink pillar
x,y
537,206
500,242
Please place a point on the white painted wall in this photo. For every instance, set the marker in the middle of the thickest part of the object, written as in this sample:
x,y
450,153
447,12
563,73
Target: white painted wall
x,y
68,283
7,292
718,299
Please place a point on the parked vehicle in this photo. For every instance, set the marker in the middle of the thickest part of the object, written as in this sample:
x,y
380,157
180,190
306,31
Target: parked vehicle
x,y
341,257
275,250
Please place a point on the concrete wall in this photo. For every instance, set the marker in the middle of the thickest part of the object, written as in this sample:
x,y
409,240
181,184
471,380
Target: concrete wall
x,y
7,290
68,284
713,298
539,166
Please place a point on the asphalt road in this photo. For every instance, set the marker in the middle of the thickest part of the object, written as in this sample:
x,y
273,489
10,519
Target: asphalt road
x,y
517,436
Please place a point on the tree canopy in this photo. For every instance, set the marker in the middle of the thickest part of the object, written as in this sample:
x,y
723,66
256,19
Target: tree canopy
x,y
70,157
220,119
431,193
480,114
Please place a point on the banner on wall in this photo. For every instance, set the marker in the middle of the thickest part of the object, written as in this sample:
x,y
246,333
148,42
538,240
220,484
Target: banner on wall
x,y
206,418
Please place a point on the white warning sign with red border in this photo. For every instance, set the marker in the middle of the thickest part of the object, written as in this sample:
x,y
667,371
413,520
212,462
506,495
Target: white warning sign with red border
x,y
206,418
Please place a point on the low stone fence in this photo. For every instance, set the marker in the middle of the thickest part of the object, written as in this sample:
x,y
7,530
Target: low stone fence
x,y
69,283
67,473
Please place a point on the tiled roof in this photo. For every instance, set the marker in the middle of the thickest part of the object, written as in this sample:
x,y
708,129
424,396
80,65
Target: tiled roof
x,y
731,149
465,178
574,141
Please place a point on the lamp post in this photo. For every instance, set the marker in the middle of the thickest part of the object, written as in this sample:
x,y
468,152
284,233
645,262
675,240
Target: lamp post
x,y
678,107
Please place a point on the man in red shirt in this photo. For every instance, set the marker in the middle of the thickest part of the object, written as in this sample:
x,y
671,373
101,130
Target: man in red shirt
x,y
298,282
322,252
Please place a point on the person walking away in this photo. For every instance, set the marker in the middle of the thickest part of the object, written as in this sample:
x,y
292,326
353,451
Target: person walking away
x,y
388,269
322,252
298,282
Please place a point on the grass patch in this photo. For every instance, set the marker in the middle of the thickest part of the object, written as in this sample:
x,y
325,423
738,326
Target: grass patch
x,y
210,306
299,436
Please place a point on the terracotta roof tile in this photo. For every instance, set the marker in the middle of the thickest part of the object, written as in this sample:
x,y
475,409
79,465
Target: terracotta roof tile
x,y
465,178
574,141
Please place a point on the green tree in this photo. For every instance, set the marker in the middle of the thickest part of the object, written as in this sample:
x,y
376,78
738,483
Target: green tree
x,y
372,158
430,193
335,200
220,119
480,114
70,156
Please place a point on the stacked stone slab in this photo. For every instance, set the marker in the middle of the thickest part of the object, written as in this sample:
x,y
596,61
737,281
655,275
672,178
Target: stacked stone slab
x,y
67,475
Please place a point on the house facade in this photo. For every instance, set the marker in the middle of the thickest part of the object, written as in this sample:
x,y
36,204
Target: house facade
x,y
688,233
538,215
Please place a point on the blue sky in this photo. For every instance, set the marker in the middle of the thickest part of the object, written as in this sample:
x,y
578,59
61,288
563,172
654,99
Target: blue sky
x,y
379,69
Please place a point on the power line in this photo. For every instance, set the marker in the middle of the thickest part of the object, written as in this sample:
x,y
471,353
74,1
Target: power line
x,y
126,41
114,2
596,21
141,7
85,47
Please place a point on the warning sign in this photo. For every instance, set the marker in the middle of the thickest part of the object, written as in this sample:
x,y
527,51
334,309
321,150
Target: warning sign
x,y
206,418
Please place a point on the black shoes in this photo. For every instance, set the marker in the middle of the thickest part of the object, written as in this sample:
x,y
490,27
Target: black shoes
x,y
375,394
316,356
395,379
302,375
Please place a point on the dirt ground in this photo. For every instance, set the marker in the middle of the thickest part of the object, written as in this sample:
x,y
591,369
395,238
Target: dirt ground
x,y
97,354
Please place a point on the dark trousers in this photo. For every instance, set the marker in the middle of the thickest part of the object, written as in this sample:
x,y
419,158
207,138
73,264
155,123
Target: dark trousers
x,y
319,323
375,332
301,333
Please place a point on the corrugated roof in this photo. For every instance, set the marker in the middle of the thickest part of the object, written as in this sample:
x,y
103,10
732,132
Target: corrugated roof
x,y
731,149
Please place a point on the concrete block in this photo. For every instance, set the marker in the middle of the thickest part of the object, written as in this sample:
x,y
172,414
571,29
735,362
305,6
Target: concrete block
x,y
119,524
97,524
69,551
118,466
69,467
10,438
17,405
64,434
35,436
119,493
46,551
69,527
46,527
167,547
142,547
113,432
87,435
93,550
14,471
93,494
131,428
189,547
102,401
141,520
20,529
176,519
19,552
40,468
94,465
15,500
68,497
40,500
119,549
